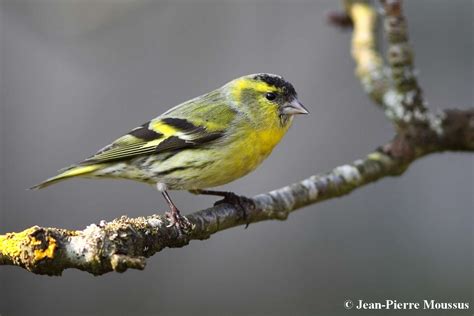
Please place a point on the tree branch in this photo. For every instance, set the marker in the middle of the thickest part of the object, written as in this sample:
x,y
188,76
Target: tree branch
x,y
400,56
124,243
370,68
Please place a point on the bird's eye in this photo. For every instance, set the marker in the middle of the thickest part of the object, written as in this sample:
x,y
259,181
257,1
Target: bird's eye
x,y
270,96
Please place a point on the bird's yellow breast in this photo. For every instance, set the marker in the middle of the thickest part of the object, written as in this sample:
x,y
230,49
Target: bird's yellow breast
x,y
267,139
244,154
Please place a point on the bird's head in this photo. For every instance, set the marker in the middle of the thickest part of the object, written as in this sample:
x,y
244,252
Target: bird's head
x,y
265,96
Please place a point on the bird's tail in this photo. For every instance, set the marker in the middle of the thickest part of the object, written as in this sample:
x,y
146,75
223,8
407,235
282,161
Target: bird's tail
x,y
73,171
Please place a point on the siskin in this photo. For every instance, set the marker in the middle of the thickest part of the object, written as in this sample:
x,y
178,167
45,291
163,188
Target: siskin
x,y
202,143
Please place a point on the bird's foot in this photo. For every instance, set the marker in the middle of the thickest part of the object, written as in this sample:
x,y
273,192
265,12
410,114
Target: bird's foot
x,y
176,219
242,202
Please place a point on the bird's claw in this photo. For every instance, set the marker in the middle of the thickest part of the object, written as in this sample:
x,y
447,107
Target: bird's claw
x,y
181,222
242,202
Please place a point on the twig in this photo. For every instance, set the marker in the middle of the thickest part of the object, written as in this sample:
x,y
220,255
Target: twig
x,y
400,56
370,68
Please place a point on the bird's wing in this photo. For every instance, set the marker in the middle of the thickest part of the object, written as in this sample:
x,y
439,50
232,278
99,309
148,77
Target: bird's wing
x,y
192,124
157,136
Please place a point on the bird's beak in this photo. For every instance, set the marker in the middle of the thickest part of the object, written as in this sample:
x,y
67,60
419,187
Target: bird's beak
x,y
294,107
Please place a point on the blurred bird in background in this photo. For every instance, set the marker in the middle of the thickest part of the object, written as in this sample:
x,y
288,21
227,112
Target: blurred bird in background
x,y
205,142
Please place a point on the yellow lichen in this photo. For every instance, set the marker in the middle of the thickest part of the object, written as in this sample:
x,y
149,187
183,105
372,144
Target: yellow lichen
x,y
11,244
39,253
14,245
363,40
376,156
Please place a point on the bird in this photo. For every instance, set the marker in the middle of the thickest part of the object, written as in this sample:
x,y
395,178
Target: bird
x,y
199,144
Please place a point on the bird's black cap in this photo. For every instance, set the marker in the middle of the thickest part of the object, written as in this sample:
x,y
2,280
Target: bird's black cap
x,y
278,82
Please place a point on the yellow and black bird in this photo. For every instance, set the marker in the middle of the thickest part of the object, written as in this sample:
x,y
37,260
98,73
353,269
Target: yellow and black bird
x,y
202,143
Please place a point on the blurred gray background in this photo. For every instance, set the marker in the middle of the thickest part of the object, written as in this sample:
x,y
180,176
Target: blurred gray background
x,y
77,74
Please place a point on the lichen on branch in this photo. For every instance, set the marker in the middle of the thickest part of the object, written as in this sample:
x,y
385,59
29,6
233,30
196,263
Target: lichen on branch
x,y
370,68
